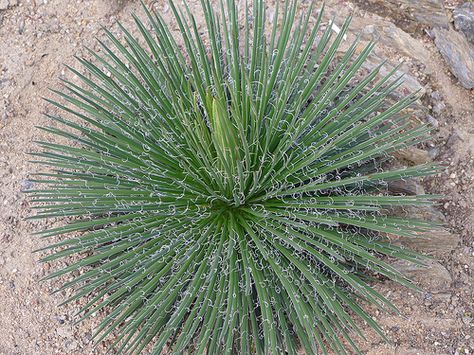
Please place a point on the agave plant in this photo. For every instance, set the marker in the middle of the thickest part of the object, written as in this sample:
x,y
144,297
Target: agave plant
x,y
227,191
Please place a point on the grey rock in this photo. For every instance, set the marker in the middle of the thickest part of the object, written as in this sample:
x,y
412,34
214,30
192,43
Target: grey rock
x,y
426,213
409,85
437,102
453,139
3,4
458,54
411,14
434,152
438,108
432,121
437,241
414,155
464,20
417,112
391,36
407,187
434,277
436,96
427,12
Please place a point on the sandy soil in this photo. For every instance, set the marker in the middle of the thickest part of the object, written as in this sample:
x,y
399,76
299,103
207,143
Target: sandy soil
x,y
37,37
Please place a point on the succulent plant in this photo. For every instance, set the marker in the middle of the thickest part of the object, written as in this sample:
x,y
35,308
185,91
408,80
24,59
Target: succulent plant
x,y
227,191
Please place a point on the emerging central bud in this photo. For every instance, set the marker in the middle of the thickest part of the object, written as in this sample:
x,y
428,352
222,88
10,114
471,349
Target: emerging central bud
x,y
224,134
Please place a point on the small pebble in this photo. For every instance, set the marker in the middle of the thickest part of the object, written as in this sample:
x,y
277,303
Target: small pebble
x,y
26,185
432,121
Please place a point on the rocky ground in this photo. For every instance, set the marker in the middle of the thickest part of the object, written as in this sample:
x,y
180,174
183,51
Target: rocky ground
x,y
433,39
